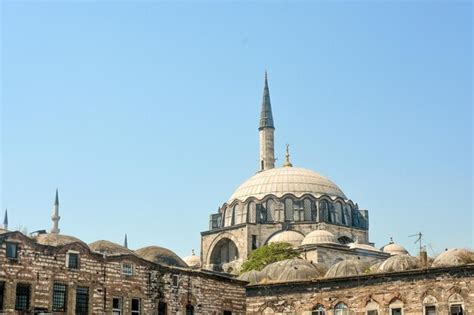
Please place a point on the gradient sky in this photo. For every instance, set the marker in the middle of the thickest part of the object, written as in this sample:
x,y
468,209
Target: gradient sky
x,y
145,115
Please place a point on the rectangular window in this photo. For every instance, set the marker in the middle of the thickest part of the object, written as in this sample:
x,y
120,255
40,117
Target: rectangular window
x,y
12,251
73,260
59,297
82,301
227,313
396,311
2,293
455,309
175,280
254,242
22,301
127,269
372,312
430,310
117,306
135,307
162,308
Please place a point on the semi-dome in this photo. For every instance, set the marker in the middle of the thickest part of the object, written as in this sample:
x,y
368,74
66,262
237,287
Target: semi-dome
x,y
252,276
192,260
394,249
347,268
399,263
109,248
454,257
319,237
55,239
160,255
290,237
283,180
298,273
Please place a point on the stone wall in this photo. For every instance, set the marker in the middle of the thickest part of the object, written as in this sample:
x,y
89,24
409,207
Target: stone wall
x,y
41,266
410,290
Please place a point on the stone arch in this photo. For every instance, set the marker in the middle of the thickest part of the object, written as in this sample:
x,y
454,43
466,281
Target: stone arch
x,y
268,310
217,240
223,252
455,298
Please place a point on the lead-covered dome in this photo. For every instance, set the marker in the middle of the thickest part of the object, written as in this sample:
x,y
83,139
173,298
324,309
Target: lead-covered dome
x,y
290,237
283,180
319,237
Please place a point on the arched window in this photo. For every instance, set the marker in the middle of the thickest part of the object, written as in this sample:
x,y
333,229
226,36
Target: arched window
x,y
372,308
396,307
429,305
239,214
229,216
456,304
338,213
271,215
318,310
262,213
298,210
355,217
341,309
309,210
347,214
189,309
252,212
288,209
324,211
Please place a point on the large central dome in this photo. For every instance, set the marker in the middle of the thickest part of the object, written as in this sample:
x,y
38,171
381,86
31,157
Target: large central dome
x,y
283,180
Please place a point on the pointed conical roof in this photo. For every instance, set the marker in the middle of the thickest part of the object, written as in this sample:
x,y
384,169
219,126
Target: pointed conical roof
x,y
266,117
56,199
5,219
125,241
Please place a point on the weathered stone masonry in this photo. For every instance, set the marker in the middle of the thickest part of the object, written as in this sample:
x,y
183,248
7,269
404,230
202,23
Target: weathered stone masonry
x,y
40,266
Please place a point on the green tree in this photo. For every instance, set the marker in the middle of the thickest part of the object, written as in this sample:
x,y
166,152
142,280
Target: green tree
x,y
268,254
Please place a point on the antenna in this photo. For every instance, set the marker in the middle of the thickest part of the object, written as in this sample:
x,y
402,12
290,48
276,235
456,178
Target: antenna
x,y
418,240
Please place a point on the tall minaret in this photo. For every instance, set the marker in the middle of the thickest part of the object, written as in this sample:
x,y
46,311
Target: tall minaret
x,y
266,131
5,220
55,217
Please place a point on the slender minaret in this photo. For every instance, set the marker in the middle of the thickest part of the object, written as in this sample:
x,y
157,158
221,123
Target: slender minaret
x,y
5,220
55,217
125,241
266,131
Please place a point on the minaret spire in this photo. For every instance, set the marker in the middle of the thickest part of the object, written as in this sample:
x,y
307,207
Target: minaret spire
x,y
125,241
5,220
55,217
266,130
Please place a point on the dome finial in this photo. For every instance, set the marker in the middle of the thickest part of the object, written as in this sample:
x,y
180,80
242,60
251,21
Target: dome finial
x,y
287,157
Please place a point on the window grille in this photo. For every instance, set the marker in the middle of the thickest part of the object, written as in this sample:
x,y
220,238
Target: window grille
x,y
135,307
59,297
288,209
341,309
298,208
22,301
455,309
73,260
318,310
12,251
252,213
82,301
117,306
127,269
271,215
175,280
430,310
262,213
309,213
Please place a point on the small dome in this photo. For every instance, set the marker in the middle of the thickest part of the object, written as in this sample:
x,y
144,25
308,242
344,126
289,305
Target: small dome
x,y
160,255
252,276
347,268
454,257
283,180
399,263
298,273
291,237
375,267
394,249
109,248
319,237
192,260
55,239
273,270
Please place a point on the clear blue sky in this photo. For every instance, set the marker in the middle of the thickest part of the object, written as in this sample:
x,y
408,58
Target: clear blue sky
x,y
145,114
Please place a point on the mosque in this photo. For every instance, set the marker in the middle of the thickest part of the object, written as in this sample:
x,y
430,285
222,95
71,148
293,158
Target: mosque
x,y
288,204
339,271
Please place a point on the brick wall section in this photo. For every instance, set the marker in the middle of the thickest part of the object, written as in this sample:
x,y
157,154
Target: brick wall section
x,y
41,266
410,287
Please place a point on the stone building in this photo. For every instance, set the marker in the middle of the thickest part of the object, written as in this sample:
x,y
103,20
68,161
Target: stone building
x,y
287,204
60,274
